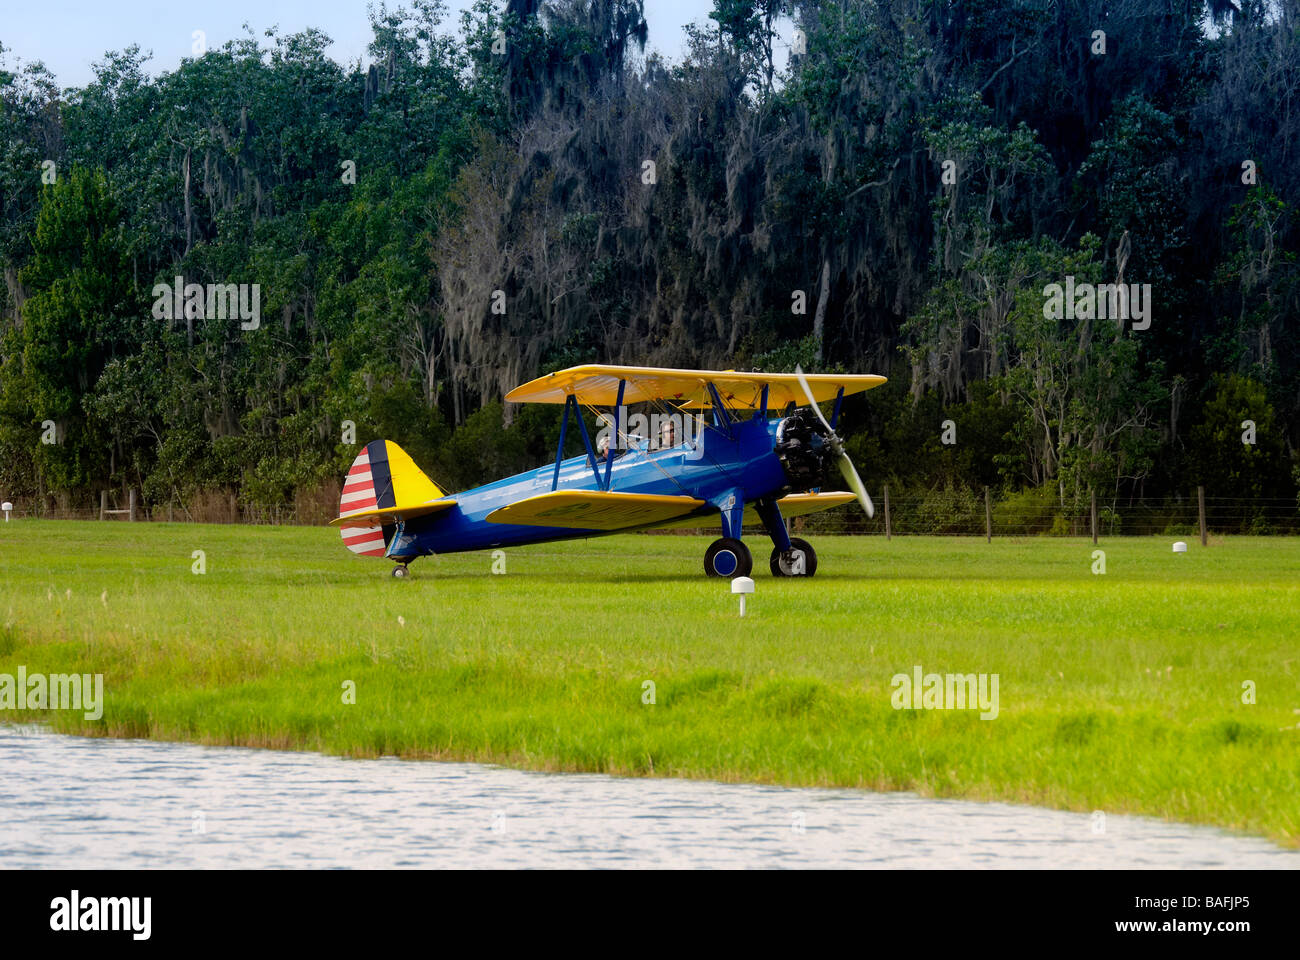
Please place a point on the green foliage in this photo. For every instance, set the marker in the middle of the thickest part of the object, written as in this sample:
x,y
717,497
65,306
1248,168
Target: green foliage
x,y
1032,510
1129,179
949,509
1222,459
77,318
895,200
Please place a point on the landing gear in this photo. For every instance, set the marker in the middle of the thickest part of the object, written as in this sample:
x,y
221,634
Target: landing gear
x,y
400,572
791,556
728,557
799,561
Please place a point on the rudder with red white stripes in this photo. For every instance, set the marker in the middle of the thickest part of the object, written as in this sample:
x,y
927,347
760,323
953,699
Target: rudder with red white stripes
x,y
382,488
366,537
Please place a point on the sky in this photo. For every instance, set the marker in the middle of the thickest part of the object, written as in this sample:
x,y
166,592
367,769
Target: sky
x,y
70,35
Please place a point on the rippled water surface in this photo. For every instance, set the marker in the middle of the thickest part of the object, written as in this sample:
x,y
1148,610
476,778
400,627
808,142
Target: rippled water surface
x,y
74,803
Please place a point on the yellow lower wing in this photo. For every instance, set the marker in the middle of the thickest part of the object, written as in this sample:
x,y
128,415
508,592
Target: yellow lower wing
x,y
594,510
795,505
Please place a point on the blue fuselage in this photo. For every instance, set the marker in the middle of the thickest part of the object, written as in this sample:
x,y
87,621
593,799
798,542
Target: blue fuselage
x,y
725,467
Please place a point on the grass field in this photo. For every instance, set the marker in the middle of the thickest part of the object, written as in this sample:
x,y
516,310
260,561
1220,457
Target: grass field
x,y
1120,692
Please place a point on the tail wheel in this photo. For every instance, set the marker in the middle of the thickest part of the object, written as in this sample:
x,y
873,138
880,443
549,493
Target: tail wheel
x,y
728,557
799,561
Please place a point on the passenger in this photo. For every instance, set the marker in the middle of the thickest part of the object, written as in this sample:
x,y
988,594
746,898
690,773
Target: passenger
x,y
667,434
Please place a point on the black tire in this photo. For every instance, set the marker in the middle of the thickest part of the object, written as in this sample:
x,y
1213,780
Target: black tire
x,y
728,558
400,572
800,549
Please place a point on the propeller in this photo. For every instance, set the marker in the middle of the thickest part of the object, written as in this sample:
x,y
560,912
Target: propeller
x,y
845,464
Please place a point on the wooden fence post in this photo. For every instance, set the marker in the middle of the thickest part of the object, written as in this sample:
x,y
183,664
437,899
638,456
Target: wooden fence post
x,y
988,516
130,499
889,533
1200,508
234,510
103,503
1093,497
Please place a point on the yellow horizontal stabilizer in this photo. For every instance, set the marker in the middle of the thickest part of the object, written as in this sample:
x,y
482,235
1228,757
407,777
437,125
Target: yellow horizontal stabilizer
x,y
385,485
594,510
393,514
597,384
795,505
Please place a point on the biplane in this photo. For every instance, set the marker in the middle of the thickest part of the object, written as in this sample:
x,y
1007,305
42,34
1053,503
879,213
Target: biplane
x,y
731,449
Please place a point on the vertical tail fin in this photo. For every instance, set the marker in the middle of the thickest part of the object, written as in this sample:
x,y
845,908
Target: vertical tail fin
x,y
383,487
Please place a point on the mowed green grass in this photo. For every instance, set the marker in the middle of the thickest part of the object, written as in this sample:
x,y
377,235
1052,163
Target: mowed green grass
x,y
1120,692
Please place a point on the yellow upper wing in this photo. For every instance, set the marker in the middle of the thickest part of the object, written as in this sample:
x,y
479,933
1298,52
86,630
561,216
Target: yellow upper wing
x,y
594,510
597,384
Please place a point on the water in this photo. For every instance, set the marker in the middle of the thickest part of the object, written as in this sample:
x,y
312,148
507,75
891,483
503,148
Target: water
x,y
73,802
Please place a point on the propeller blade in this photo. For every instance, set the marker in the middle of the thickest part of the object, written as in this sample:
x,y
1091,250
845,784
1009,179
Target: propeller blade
x,y
847,469
855,484
807,392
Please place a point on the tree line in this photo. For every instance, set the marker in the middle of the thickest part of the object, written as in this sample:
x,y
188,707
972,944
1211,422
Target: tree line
x,y
914,193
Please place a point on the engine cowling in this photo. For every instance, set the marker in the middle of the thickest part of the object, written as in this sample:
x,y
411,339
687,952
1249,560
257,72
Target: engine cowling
x,y
803,451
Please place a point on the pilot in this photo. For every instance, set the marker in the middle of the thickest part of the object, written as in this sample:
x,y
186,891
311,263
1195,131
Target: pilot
x,y
602,449
667,434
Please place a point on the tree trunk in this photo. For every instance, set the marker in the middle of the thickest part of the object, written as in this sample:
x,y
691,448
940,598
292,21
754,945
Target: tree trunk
x,y
819,316
189,217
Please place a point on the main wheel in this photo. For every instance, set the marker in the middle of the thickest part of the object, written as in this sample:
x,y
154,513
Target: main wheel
x,y
400,572
801,561
728,557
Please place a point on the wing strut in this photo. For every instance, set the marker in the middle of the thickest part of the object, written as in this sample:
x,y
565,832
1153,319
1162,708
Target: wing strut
x,y
559,451
618,437
721,416
572,402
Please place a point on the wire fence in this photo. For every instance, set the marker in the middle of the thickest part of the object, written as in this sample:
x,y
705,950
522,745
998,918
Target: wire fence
x,y
225,509
945,512
968,514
